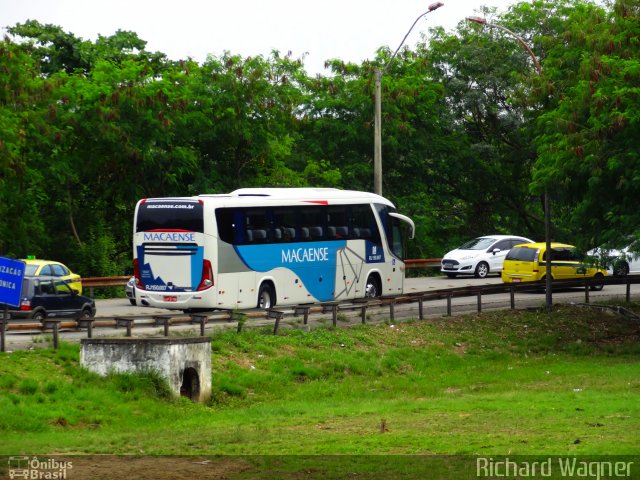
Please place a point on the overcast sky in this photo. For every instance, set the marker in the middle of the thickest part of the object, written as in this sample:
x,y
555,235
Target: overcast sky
x,y
351,30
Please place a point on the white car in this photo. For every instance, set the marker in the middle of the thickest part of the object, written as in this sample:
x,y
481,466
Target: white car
x,y
618,262
480,256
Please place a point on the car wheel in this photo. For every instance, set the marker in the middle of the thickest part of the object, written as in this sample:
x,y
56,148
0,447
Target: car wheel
x,y
621,269
452,275
598,282
132,302
482,270
86,314
266,296
39,315
373,288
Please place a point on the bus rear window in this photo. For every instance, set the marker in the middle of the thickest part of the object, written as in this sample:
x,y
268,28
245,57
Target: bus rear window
x,y
170,215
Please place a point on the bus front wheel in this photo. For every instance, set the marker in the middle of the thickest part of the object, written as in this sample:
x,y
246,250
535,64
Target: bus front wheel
x,y
373,288
266,296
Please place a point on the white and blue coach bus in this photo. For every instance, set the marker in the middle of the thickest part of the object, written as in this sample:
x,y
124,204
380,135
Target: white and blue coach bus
x,y
267,246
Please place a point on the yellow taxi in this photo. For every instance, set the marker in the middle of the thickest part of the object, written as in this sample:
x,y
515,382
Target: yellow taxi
x,y
37,268
527,263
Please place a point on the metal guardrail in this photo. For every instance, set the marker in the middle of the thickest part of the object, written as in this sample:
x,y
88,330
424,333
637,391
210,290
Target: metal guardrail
x,y
295,311
105,281
423,263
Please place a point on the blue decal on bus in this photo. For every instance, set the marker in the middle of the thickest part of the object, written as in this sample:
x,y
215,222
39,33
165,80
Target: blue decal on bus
x,y
154,282
313,262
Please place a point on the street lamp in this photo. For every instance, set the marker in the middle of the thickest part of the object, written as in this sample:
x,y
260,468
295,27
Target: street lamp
x,y
547,208
377,130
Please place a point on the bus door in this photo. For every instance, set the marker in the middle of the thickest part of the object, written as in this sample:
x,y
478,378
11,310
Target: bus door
x,y
401,228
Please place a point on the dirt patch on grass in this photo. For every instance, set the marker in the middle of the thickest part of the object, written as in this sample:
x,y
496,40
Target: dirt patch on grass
x,y
108,467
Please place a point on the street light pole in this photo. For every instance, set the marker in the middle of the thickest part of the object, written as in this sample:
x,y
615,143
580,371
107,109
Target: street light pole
x,y
377,130
547,205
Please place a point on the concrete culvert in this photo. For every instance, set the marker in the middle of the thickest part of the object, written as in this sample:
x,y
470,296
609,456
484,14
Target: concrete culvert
x,y
190,387
184,362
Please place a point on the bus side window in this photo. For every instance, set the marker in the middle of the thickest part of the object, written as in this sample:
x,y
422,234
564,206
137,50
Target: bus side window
x,y
260,235
284,222
364,224
288,234
227,219
312,221
337,218
316,233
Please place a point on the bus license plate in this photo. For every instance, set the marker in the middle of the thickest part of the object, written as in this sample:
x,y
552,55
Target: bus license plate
x,y
170,298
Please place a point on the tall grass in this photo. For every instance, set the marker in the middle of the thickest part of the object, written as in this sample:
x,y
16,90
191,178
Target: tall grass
x,y
492,384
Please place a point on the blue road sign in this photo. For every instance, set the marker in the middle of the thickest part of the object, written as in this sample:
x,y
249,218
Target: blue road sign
x,y
11,275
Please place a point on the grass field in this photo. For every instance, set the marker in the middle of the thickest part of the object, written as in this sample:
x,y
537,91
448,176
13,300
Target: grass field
x,y
522,383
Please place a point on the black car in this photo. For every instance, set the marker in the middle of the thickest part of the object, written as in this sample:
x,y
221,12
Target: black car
x,y
44,297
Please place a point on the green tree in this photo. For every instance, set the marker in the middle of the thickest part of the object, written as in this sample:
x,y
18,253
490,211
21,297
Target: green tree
x,y
586,145
23,94
487,79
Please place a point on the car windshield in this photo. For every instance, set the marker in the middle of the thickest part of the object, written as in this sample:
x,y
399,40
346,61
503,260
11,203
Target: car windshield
x,y
30,270
477,244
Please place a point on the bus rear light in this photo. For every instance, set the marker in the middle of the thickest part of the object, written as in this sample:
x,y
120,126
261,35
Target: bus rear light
x,y
136,274
207,276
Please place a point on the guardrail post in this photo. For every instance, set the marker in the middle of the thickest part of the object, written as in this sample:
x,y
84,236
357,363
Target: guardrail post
x,y
628,291
479,302
277,314
54,324
85,322
165,321
304,310
586,291
420,308
127,322
4,322
200,319
55,335
333,307
449,305
512,294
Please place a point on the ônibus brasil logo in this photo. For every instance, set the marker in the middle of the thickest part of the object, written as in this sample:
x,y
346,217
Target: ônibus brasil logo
x,y
35,468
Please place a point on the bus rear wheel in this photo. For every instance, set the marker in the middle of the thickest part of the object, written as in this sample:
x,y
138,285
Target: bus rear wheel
x,y
266,296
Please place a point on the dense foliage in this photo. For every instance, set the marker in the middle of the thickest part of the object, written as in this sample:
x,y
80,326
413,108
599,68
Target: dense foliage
x,y
472,133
